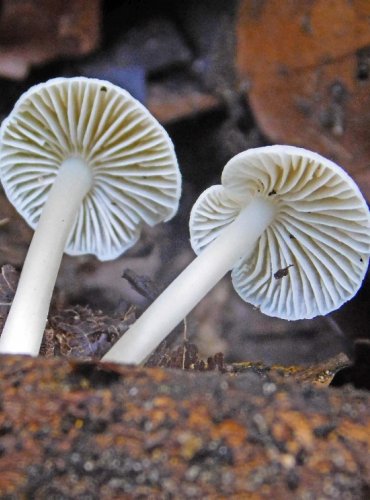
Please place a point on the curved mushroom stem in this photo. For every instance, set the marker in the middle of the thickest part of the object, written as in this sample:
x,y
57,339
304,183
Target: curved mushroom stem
x,y
24,327
184,293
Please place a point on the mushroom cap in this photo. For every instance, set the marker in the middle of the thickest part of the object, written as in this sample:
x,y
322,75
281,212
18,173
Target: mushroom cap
x,y
314,255
136,178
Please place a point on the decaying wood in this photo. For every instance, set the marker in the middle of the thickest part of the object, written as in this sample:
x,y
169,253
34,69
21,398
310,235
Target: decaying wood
x,y
72,430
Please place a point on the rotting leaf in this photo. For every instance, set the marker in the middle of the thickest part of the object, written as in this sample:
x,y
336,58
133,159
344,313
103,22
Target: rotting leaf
x,y
83,333
185,357
320,374
8,284
358,373
80,332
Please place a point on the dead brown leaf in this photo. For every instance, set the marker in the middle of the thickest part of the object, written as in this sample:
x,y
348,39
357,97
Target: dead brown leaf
x,y
307,69
8,285
82,333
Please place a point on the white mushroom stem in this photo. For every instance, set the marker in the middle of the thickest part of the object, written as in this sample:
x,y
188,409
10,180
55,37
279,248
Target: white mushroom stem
x,y
186,291
25,325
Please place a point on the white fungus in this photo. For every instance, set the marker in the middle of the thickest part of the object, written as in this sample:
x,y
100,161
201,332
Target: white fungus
x,y
86,165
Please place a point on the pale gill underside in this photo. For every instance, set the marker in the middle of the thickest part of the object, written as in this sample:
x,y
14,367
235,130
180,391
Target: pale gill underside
x,y
313,257
135,173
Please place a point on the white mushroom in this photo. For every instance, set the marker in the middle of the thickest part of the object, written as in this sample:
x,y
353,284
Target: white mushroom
x,y
293,227
86,165
313,256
